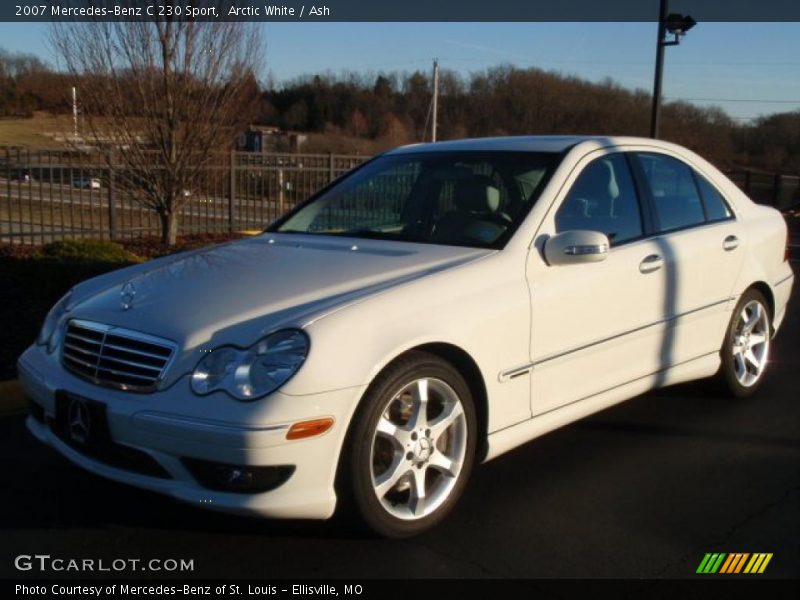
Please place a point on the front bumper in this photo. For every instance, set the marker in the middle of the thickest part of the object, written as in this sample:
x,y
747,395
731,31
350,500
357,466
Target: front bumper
x,y
172,425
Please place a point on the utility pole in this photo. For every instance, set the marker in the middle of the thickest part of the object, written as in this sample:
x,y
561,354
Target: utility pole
x,y
435,98
656,110
74,113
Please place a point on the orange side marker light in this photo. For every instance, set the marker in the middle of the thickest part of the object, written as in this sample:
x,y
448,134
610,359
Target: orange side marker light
x,y
307,429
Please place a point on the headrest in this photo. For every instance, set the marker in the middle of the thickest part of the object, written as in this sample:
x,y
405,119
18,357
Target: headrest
x,y
598,181
477,194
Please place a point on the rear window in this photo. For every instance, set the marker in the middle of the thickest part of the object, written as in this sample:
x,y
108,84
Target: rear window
x,y
716,207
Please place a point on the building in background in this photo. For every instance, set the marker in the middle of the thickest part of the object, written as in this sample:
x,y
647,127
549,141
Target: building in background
x,y
271,139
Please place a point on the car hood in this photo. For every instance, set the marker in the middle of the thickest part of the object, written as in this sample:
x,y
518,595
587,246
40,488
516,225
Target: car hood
x,y
237,292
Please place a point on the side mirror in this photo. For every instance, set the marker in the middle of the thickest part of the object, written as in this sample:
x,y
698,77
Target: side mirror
x,y
574,247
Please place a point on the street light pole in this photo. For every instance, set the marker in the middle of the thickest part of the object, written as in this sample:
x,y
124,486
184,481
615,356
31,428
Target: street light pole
x,y
655,112
677,26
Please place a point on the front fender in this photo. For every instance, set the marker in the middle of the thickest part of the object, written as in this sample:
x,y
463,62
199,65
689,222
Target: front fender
x,y
482,308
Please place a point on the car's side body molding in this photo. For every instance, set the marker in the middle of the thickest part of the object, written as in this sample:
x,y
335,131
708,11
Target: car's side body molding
x,y
521,370
509,438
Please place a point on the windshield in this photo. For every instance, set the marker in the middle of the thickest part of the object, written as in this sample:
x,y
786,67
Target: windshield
x,y
454,198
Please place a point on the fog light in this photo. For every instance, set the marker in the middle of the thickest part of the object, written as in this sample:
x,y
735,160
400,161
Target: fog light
x,y
237,478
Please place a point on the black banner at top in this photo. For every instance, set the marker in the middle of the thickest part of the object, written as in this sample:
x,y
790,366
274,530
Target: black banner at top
x,y
402,11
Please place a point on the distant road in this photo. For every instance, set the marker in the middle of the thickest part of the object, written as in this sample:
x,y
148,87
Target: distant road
x,y
25,208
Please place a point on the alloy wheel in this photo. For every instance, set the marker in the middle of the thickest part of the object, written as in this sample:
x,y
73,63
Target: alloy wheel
x,y
750,345
418,448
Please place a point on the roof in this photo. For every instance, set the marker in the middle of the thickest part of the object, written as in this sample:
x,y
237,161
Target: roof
x,y
524,143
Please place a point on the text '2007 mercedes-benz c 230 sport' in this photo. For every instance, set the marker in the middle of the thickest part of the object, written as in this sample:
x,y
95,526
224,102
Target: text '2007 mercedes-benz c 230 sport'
x,y
433,308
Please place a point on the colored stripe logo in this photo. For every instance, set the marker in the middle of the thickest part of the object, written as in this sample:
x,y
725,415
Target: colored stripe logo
x,y
734,563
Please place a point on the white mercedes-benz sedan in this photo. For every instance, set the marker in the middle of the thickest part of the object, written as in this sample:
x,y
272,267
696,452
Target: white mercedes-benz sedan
x,y
433,308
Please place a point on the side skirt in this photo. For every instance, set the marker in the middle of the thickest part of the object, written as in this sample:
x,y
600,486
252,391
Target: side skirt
x,y
507,439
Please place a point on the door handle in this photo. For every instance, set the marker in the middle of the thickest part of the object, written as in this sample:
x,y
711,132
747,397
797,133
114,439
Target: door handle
x,y
651,263
730,243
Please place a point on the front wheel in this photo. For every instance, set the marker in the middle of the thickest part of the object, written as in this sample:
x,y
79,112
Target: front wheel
x,y
412,446
745,351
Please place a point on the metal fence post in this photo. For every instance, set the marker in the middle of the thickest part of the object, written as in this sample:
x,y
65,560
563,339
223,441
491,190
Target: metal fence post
x,y
43,208
11,228
281,194
232,193
776,192
112,208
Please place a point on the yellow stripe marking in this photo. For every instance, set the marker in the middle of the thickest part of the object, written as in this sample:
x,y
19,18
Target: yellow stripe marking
x,y
749,566
757,563
765,563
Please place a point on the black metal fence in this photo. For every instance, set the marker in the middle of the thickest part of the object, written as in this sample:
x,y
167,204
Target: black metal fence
x,y
773,189
46,195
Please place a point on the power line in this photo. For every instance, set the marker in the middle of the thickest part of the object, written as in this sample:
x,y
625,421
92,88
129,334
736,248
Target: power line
x,y
579,61
754,100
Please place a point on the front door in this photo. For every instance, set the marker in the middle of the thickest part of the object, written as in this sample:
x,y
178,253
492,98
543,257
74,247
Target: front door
x,y
596,326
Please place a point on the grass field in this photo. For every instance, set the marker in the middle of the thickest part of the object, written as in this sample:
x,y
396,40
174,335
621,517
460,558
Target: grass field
x,y
37,132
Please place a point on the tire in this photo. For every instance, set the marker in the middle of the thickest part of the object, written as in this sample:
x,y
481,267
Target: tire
x,y
404,468
745,350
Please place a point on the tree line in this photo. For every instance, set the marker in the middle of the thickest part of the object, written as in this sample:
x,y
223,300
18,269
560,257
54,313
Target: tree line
x,y
364,113
393,108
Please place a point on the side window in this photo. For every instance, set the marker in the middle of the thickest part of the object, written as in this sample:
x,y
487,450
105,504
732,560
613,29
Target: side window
x,y
716,207
603,198
675,196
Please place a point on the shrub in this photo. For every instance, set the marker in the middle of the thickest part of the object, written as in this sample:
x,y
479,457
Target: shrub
x,y
88,251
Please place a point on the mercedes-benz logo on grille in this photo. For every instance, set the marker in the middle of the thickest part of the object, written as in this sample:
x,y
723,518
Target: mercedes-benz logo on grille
x,y
126,295
79,421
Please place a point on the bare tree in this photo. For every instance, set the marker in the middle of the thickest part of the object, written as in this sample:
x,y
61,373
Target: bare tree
x,y
164,96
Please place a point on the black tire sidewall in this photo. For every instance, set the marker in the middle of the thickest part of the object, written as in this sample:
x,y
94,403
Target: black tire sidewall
x,y
416,365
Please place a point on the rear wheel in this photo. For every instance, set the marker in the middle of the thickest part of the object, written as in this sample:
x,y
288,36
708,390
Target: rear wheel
x,y
412,446
745,351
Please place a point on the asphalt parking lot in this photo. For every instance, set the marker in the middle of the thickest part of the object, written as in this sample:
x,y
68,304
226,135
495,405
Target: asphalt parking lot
x,y
642,490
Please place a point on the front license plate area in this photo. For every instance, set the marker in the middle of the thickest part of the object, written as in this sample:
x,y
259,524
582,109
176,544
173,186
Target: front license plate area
x,y
81,422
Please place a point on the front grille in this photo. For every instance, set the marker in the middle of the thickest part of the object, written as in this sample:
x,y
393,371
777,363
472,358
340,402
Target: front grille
x,y
115,357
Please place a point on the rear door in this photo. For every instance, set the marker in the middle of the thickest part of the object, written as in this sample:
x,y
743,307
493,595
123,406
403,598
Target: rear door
x,y
700,241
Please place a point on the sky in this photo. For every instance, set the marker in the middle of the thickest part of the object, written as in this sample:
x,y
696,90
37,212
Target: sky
x,y
749,69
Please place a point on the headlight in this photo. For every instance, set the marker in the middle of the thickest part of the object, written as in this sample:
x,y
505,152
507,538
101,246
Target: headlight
x,y
253,372
49,333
